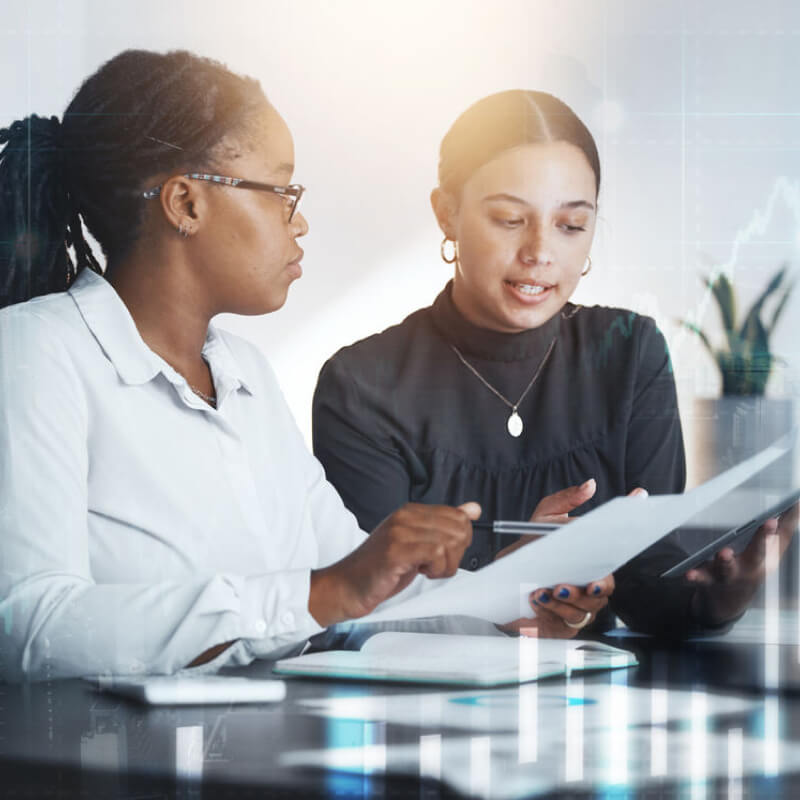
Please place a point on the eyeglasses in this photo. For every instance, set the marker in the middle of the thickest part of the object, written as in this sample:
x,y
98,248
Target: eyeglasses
x,y
291,194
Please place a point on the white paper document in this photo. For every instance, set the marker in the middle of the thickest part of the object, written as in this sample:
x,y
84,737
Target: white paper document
x,y
591,547
453,659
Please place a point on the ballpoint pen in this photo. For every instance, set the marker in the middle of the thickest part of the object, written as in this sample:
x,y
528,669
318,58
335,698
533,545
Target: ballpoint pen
x,y
517,528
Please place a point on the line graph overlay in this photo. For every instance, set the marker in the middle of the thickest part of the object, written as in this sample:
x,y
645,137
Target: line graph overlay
x,y
784,190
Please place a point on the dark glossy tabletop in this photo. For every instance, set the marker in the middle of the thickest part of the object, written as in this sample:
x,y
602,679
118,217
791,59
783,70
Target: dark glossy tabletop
x,y
665,726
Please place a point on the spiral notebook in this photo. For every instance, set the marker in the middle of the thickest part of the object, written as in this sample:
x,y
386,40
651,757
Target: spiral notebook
x,y
457,659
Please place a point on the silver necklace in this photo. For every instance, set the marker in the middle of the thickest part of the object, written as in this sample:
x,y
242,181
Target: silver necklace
x,y
212,401
514,422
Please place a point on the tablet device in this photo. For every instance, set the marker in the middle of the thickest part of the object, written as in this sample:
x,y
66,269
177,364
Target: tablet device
x,y
729,523
166,690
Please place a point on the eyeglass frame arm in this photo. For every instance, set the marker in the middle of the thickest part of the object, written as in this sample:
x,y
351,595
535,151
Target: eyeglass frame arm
x,y
294,190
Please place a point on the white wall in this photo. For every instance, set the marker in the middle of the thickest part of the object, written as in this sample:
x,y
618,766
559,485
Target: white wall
x,y
694,105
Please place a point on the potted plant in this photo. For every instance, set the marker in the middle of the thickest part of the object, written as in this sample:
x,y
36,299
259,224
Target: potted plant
x,y
745,361
743,420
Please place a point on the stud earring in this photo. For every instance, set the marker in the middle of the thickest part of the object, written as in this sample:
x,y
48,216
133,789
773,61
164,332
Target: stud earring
x,y
183,230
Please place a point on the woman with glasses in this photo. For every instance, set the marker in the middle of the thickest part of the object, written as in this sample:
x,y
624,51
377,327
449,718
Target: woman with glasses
x,y
158,507
505,392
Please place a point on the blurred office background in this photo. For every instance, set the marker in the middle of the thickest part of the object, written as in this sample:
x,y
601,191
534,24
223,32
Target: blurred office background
x,y
695,107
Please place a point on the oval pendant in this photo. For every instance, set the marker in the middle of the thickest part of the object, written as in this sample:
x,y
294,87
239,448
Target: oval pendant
x,y
514,424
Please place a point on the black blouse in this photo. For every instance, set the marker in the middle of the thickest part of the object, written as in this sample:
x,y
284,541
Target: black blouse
x,y
398,417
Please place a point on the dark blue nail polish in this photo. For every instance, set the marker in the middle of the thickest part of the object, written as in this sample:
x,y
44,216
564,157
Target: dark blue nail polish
x,y
563,593
544,598
596,590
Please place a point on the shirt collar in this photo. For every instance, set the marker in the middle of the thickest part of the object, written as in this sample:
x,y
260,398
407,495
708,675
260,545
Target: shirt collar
x,y
225,367
485,343
112,325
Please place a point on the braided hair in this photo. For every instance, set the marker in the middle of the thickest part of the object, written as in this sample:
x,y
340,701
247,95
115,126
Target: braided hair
x,y
140,114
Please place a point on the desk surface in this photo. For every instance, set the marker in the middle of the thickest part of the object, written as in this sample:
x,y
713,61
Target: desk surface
x,y
686,722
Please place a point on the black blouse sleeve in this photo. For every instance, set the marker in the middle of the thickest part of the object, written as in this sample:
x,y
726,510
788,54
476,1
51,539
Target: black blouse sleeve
x,y
655,460
654,454
361,462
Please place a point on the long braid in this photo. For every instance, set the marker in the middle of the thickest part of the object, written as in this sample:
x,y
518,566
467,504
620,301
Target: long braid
x,y
140,115
34,211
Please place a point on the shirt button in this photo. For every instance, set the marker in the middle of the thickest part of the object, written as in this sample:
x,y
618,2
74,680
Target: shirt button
x,y
260,627
473,562
287,619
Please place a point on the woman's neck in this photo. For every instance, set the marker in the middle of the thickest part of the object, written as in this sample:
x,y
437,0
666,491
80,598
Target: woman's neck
x,y
475,340
168,311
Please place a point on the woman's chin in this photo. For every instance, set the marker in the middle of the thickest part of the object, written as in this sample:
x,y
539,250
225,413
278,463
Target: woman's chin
x,y
266,303
519,320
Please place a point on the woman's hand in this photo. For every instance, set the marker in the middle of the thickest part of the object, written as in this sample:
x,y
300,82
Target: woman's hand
x,y
555,508
728,582
563,611
416,539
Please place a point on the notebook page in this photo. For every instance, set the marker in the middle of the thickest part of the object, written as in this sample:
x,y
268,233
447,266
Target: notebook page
x,y
529,656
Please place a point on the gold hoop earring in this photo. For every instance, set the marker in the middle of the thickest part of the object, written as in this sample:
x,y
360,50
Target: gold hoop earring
x,y
454,257
587,267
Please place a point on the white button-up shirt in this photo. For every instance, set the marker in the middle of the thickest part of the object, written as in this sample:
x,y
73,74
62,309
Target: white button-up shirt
x,y
138,525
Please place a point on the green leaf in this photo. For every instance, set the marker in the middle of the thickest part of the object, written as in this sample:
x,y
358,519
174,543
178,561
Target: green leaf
x,y
726,301
781,305
772,286
776,281
757,358
755,340
747,363
695,329
753,333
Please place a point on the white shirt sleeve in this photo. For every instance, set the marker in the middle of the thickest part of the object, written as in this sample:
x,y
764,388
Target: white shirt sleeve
x,y
55,620
338,533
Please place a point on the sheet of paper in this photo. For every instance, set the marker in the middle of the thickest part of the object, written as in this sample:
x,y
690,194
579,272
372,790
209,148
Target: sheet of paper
x,y
588,548
470,660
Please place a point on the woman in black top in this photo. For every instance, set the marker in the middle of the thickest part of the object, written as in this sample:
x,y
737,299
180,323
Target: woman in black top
x,y
505,392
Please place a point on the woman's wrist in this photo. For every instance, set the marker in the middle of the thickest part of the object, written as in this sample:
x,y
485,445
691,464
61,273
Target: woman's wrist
x,y
210,654
326,597
714,607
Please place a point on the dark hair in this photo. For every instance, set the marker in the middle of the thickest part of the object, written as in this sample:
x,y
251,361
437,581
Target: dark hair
x,y
504,120
139,115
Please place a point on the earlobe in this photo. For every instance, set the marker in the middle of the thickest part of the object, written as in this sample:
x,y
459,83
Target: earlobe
x,y
180,203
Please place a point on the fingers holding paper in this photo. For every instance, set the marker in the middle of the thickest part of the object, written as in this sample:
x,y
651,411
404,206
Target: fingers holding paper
x,y
563,611
727,583
556,507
